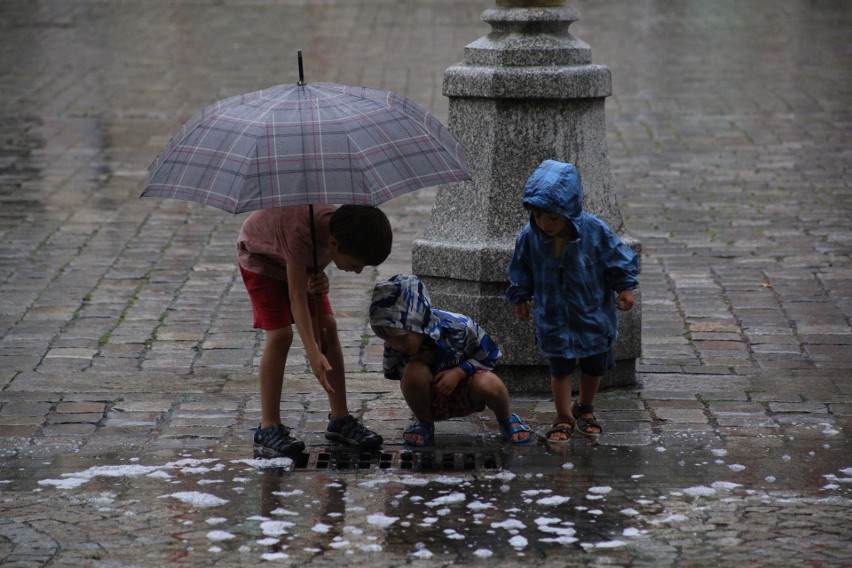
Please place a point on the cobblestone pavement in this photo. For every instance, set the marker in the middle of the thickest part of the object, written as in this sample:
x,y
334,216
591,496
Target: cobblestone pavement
x,y
127,362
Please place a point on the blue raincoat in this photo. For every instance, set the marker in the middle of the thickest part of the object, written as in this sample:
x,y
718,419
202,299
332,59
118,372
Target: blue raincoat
x,y
456,340
574,309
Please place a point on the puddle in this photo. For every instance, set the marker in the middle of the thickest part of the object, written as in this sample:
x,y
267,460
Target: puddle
x,y
387,507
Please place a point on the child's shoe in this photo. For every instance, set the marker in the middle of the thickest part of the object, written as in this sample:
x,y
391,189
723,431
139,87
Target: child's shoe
x,y
275,441
586,426
425,430
349,431
514,424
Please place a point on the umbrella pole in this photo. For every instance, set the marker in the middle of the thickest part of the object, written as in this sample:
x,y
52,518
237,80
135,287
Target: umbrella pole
x,y
318,333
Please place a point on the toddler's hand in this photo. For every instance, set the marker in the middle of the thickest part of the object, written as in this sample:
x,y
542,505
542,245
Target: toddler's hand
x,y
522,310
624,301
447,381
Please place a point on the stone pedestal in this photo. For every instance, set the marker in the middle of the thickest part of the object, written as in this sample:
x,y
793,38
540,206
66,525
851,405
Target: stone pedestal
x,y
526,92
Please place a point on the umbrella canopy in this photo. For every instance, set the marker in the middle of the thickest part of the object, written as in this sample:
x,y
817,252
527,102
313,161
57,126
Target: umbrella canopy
x,y
303,144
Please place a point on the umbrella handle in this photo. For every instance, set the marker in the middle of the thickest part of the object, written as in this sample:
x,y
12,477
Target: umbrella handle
x,y
301,70
320,335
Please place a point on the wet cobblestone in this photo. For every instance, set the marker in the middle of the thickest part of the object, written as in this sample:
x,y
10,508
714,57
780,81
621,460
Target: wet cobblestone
x,y
128,368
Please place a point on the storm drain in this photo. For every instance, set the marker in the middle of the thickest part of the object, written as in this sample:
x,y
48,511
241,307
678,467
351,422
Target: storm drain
x,y
414,461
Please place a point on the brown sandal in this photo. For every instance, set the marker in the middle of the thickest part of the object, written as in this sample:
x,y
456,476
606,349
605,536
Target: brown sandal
x,y
583,424
563,424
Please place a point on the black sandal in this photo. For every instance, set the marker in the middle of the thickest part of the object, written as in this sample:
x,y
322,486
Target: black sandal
x,y
563,424
584,424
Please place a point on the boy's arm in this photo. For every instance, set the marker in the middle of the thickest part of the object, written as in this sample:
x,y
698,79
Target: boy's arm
x,y
622,264
520,273
297,284
480,350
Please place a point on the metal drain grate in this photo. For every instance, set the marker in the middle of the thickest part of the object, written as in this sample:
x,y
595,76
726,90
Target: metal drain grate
x,y
414,461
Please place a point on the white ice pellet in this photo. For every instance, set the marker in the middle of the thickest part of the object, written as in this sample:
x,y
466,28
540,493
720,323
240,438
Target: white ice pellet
x,y
381,520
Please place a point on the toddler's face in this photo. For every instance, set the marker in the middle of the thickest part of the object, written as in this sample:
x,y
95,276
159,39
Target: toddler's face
x,y
552,224
408,343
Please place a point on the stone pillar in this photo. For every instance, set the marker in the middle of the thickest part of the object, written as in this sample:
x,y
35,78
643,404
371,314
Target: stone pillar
x,y
526,92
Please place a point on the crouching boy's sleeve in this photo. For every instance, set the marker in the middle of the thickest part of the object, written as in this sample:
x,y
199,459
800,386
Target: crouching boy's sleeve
x,y
392,364
481,351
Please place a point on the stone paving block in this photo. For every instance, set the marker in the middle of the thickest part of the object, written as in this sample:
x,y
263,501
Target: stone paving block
x,y
80,407
14,432
681,415
128,419
734,408
154,405
201,431
793,407
21,420
76,418
24,408
74,430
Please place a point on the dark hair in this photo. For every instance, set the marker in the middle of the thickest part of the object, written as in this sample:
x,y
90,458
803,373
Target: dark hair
x,y
363,232
536,209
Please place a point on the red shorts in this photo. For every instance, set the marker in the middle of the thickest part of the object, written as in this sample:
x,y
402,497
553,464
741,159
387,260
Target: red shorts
x,y
270,301
457,404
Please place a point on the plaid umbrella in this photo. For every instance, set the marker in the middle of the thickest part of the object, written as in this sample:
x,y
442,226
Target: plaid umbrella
x,y
304,144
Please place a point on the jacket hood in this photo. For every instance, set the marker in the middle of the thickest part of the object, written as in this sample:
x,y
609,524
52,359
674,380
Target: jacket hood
x,y
555,186
402,302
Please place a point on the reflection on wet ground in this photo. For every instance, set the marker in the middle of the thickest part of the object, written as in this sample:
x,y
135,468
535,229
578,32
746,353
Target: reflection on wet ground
x,y
627,504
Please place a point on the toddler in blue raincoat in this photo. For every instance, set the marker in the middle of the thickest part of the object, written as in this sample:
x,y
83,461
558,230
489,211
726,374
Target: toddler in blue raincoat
x,y
443,361
577,272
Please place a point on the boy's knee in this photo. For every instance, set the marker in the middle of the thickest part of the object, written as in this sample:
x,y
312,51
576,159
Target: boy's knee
x,y
279,339
416,371
489,383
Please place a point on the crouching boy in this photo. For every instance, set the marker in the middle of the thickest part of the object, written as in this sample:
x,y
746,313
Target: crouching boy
x,y
443,361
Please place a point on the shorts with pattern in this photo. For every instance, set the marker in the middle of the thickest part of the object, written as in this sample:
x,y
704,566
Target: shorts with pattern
x,y
457,404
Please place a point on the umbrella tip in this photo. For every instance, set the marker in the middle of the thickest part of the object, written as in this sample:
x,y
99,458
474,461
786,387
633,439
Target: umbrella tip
x,y
301,70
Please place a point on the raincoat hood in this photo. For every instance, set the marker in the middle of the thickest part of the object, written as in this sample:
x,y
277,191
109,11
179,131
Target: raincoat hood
x,y
403,303
555,186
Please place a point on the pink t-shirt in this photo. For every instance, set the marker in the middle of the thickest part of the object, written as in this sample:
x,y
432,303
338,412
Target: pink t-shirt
x,y
271,239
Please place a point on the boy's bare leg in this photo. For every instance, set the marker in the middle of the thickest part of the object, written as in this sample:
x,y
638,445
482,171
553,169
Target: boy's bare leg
x,y
416,386
588,390
272,364
337,376
489,389
561,387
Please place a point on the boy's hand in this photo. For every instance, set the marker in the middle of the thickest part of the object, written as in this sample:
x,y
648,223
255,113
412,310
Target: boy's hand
x,y
446,381
320,367
522,310
318,283
624,301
